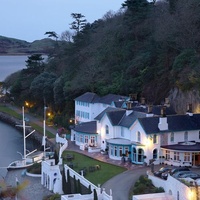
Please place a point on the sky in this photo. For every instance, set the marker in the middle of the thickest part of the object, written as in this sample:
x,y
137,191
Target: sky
x,y
29,19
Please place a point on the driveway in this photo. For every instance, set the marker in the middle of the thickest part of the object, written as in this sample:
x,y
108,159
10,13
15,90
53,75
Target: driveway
x,y
122,183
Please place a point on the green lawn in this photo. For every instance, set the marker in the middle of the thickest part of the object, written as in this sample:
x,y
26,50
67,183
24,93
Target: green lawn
x,y
100,176
9,111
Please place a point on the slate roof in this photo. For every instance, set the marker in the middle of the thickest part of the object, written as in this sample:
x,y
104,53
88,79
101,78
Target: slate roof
x,y
191,146
86,127
156,109
175,123
115,116
88,97
108,99
108,109
127,121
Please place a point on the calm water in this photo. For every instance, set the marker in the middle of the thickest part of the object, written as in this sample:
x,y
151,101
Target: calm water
x,y
11,141
11,64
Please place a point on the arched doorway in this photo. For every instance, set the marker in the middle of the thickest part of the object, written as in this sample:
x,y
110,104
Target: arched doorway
x,y
140,155
134,155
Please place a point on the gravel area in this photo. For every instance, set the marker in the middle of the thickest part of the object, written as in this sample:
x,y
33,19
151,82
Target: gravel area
x,y
33,191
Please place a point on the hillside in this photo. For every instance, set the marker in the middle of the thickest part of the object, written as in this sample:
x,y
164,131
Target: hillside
x,y
15,46
148,49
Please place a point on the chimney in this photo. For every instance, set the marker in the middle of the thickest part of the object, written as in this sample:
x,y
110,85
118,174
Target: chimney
x,y
129,108
163,125
149,111
142,100
133,97
189,109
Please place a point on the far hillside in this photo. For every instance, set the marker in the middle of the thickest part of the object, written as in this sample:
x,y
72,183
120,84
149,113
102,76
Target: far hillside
x,y
15,46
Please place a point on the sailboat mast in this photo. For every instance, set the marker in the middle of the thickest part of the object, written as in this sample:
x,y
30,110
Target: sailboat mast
x,y
24,133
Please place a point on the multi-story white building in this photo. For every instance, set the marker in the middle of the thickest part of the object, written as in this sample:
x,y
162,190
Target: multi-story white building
x,y
137,132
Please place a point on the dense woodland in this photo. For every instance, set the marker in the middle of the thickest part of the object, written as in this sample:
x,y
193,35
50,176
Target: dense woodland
x,y
145,48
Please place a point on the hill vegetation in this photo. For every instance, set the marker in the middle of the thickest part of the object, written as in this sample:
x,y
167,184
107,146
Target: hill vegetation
x,y
145,48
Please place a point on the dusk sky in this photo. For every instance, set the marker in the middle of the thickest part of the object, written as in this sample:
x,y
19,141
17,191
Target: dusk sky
x,y
30,19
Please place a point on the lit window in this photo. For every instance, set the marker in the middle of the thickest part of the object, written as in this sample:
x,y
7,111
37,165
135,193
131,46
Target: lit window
x,y
167,154
186,157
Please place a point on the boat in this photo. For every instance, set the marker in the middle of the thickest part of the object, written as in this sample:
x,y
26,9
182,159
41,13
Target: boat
x,y
30,158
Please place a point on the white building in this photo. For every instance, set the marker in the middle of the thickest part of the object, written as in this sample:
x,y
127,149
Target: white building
x,y
139,133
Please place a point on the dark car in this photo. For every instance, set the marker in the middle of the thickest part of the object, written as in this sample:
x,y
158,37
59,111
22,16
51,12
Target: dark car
x,y
191,175
161,171
179,169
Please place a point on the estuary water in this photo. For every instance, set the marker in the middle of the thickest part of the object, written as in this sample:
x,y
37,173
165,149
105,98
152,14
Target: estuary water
x,y
11,142
11,64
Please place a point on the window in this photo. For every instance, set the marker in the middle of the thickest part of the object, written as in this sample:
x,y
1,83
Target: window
x,y
186,157
134,154
138,136
86,139
81,138
167,154
140,155
126,151
122,132
199,134
155,138
172,137
120,151
107,129
115,151
92,139
155,154
111,150
186,136
176,156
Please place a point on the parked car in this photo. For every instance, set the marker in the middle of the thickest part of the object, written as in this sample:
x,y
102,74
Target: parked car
x,y
181,173
161,171
191,175
179,169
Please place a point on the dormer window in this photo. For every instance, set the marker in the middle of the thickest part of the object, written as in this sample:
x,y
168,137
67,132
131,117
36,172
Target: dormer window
x,y
107,129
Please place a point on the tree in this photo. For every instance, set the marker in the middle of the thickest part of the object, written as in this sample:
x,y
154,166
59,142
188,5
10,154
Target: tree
x,y
79,22
52,34
66,36
42,87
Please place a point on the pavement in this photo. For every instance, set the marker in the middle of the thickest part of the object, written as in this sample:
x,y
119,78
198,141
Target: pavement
x,y
120,185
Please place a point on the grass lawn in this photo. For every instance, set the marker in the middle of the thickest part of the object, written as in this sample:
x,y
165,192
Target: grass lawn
x,y
10,112
106,172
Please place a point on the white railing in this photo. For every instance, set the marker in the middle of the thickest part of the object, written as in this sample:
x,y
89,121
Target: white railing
x,y
102,195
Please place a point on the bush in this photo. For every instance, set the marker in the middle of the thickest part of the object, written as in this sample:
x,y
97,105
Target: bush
x,y
35,168
145,186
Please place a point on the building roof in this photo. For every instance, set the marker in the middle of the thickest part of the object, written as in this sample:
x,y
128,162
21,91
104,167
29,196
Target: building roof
x,y
86,127
108,99
108,109
183,146
88,97
127,121
176,123
156,109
